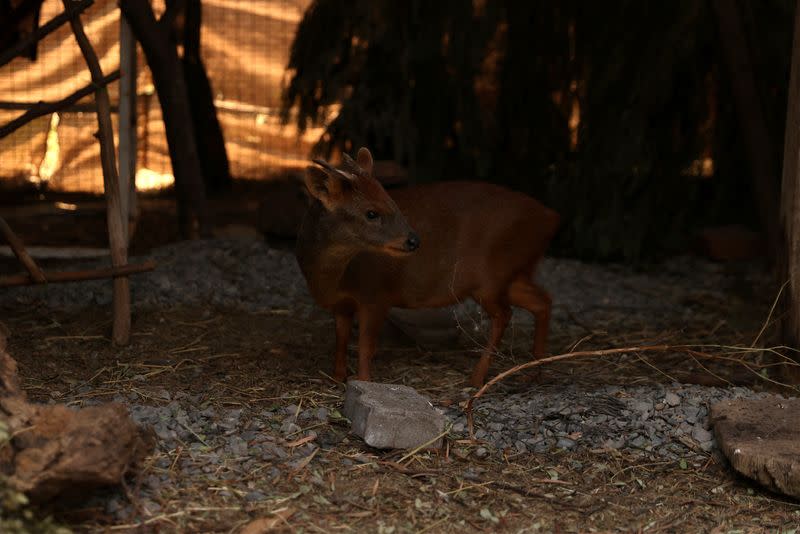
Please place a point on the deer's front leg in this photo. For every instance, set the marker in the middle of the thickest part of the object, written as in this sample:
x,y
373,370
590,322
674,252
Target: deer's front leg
x,y
370,321
344,325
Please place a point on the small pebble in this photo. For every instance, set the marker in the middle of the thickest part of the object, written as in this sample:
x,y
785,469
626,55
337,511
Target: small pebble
x,y
672,399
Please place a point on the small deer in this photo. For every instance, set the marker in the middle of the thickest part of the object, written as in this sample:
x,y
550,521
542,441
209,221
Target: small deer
x,y
363,251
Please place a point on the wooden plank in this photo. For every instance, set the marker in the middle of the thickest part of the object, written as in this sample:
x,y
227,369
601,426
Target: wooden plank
x,y
761,438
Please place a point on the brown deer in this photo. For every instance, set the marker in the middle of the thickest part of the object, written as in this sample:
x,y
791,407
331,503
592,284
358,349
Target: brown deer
x,y
363,251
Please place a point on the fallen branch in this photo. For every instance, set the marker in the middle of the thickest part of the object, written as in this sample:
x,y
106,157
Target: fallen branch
x,y
76,276
558,358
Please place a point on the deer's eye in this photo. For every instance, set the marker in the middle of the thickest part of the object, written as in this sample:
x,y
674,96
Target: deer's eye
x,y
372,215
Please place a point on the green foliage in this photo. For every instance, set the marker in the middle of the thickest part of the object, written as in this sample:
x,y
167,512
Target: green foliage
x,y
471,89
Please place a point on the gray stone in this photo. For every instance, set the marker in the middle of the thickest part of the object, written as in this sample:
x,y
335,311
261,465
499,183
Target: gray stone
x,y
289,426
700,434
565,443
614,443
638,442
672,399
390,416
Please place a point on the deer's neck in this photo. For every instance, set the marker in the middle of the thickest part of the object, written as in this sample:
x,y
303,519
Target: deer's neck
x,y
321,258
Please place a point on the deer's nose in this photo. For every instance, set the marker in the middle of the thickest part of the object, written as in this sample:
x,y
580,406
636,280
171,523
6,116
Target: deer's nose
x,y
412,243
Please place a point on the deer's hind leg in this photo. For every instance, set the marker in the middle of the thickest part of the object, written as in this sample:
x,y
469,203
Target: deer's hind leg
x,y
524,293
499,311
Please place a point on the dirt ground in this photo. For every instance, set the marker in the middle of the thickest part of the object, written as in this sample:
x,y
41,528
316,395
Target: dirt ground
x,y
251,361
257,361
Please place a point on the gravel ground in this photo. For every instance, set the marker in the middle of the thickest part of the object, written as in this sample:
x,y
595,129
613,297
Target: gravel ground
x,y
247,274
668,421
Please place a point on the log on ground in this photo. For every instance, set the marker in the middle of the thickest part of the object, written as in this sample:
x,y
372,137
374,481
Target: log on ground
x,y
761,439
54,450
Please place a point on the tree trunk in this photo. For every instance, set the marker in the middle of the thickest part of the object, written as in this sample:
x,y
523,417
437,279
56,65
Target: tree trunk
x,y
162,58
207,130
752,123
789,264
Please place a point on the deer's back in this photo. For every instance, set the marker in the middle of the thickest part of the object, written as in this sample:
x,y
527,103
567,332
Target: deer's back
x,y
475,237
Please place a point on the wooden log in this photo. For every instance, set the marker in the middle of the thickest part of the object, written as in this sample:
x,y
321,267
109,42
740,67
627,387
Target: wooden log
x,y
22,255
74,10
121,329
54,451
78,276
45,108
789,259
761,439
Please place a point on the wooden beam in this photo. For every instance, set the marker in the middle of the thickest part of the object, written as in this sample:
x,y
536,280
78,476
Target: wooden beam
x,y
127,128
789,264
78,276
56,22
76,108
45,108
121,329
22,255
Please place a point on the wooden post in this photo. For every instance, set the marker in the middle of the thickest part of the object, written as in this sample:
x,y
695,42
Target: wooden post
x,y
790,206
22,255
127,127
121,329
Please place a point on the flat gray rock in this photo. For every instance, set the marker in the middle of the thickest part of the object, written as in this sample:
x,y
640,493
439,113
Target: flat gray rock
x,y
761,438
391,416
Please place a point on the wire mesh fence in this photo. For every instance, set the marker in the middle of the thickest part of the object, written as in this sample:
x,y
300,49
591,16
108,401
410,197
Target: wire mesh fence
x,y
245,47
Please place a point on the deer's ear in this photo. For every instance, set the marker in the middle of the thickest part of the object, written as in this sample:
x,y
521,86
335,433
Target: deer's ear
x,y
364,160
323,186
